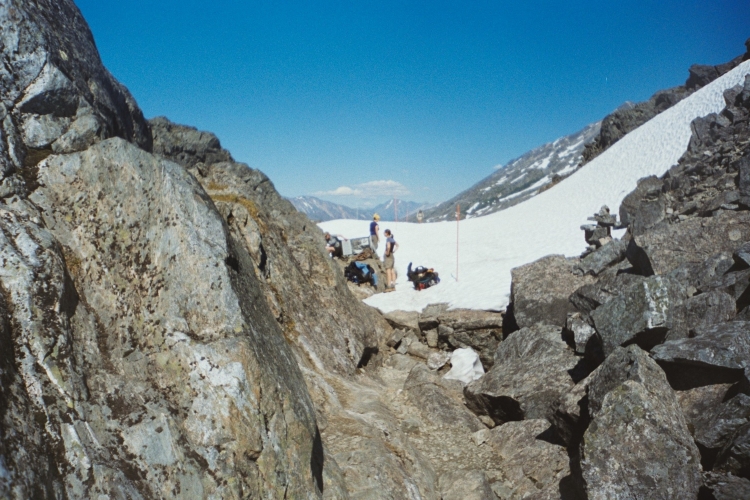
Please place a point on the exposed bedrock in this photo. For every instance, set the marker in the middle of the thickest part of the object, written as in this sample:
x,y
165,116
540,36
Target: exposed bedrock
x,y
533,367
637,444
540,291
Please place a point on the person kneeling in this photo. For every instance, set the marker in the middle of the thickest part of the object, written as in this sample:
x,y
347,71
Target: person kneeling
x,y
333,245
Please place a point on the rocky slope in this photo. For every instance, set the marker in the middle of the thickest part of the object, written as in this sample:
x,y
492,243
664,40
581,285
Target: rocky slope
x,y
541,168
615,126
138,360
660,326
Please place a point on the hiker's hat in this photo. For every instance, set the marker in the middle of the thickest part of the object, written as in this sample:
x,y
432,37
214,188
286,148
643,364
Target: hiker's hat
x,y
376,217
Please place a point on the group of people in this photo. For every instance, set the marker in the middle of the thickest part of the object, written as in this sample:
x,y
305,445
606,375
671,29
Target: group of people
x,y
335,248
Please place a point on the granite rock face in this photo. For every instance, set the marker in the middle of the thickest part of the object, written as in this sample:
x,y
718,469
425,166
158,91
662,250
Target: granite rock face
x,y
139,338
171,327
540,291
533,368
56,95
646,313
303,287
637,444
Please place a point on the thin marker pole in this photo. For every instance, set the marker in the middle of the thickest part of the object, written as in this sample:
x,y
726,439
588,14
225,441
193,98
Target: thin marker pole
x,y
458,217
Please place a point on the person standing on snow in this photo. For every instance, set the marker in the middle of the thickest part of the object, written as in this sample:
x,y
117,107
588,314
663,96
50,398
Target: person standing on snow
x,y
390,247
374,232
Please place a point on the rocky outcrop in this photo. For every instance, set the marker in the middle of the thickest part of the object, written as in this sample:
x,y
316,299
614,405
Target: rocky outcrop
x,y
56,95
303,287
540,291
171,327
533,368
118,378
637,444
144,342
631,116
647,313
188,146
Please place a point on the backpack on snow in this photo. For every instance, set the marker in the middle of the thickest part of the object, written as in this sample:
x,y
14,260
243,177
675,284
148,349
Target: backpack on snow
x,y
422,277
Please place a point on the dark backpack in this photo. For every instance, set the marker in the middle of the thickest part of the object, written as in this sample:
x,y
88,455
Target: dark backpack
x,y
422,277
359,272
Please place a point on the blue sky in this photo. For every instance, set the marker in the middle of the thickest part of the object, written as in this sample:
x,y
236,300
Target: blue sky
x,y
414,99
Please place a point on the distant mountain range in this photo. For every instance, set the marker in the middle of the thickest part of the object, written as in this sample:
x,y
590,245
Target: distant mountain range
x,y
320,210
520,179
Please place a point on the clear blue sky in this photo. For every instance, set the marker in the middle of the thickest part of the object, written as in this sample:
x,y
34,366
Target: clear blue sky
x,y
417,99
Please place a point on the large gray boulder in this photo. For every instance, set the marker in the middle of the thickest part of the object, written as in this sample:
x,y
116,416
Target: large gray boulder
x,y
708,309
403,320
532,465
734,458
645,206
424,388
540,290
724,346
56,95
637,444
704,276
699,405
667,247
570,414
726,486
647,313
609,285
471,319
603,257
719,425
187,385
532,370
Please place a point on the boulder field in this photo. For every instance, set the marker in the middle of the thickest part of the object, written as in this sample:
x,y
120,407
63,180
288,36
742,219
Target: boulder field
x,y
171,327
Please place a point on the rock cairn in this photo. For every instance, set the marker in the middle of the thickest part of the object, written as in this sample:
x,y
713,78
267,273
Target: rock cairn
x,y
599,234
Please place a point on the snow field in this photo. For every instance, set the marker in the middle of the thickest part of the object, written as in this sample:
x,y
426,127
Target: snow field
x,y
549,223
